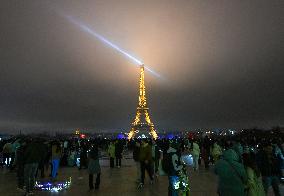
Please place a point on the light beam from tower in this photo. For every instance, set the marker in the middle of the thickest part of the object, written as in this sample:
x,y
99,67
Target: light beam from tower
x,y
90,31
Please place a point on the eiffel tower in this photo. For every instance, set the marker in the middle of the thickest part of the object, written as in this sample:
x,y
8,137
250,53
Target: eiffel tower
x,y
142,123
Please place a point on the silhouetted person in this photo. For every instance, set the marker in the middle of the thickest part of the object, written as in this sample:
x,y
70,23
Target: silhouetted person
x,y
83,156
32,157
94,167
118,153
267,163
206,151
111,154
145,156
55,156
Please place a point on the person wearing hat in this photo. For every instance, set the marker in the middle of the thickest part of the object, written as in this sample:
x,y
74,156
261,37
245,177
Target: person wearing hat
x,y
232,176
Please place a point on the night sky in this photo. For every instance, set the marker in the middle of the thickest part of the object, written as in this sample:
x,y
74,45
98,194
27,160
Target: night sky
x,y
221,62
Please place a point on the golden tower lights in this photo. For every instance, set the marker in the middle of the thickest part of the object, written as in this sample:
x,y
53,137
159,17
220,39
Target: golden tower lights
x,y
142,111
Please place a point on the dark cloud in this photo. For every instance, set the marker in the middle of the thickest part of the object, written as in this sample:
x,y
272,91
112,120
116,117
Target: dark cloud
x,y
222,62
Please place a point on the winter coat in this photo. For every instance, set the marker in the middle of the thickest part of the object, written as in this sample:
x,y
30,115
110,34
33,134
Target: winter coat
x,y
43,155
20,160
255,187
217,150
136,152
145,153
15,145
267,162
111,150
175,164
280,157
238,148
94,164
195,149
118,150
232,175
34,152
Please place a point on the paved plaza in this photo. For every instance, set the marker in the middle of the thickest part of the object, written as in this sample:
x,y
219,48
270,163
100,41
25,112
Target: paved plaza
x,y
116,182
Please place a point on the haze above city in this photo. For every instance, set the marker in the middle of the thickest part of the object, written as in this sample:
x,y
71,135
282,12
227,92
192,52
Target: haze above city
x,y
221,64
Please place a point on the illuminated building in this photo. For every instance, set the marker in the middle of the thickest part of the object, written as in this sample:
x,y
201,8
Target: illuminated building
x,y
142,123
77,132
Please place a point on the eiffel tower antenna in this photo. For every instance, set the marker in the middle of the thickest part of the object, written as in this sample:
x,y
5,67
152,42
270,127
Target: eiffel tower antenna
x,y
142,122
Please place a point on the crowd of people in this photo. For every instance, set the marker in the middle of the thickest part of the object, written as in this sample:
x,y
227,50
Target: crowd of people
x,y
244,165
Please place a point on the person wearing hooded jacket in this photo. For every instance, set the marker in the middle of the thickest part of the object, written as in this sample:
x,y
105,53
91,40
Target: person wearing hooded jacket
x,y
216,152
255,187
232,175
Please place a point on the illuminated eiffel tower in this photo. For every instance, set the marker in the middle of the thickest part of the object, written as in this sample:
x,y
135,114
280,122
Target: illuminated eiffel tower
x,y
142,122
